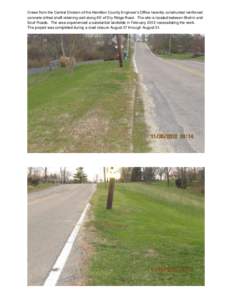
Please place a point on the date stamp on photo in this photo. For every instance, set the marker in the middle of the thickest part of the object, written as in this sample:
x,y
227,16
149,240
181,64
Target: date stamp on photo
x,y
172,136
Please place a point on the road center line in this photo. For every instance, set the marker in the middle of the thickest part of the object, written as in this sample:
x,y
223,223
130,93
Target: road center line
x,y
57,268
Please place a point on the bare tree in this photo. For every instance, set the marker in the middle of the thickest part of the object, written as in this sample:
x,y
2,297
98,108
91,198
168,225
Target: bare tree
x,y
62,175
125,174
167,173
45,174
62,45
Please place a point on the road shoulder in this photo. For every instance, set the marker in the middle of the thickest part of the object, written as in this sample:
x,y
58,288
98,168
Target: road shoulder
x,y
75,270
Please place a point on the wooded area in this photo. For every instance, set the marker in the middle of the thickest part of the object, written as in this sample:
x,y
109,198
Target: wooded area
x,y
182,177
177,43
39,175
69,48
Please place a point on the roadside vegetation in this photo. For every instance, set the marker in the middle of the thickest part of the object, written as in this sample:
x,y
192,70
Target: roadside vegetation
x,y
183,56
82,107
87,110
178,46
41,177
154,235
40,186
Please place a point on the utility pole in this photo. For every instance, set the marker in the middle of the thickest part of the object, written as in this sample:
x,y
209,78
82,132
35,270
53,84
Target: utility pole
x,y
45,174
119,44
64,175
61,175
128,45
170,44
110,197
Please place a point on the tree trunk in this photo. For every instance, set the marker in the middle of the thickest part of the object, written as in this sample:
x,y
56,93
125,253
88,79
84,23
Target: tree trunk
x,y
62,45
167,174
45,174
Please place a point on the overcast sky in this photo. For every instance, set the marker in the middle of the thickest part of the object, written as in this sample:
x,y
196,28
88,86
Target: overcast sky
x,y
90,171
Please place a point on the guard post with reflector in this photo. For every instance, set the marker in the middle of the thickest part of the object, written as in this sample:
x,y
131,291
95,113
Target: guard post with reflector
x,y
110,196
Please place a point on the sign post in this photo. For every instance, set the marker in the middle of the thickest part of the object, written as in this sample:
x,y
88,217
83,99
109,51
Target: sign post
x,y
111,187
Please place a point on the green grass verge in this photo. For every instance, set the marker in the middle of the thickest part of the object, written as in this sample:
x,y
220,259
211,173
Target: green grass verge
x,y
154,235
182,56
87,110
40,186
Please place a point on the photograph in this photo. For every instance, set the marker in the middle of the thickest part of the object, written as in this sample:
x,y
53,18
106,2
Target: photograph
x,y
116,226
115,93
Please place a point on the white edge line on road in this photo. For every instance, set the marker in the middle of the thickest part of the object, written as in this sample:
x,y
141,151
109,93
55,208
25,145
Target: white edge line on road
x,y
57,269
156,56
134,62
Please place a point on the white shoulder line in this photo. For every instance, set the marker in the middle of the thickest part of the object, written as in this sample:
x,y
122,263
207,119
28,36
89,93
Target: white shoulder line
x,y
57,269
134,61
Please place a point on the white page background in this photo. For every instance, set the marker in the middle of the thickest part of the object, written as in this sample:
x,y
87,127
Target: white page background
x,y
15,160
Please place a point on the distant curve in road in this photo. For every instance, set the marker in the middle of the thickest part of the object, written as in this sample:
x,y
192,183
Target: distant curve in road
x,y
52,215
173,92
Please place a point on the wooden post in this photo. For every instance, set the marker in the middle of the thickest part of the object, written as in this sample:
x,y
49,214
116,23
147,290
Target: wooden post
x,y
170,44
119,44
110,197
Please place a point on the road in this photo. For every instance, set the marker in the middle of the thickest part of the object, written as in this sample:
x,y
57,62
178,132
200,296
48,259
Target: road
x,y
173,93
52,215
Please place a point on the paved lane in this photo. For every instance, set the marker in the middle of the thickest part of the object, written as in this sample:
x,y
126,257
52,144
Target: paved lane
x,y
173,99
52,215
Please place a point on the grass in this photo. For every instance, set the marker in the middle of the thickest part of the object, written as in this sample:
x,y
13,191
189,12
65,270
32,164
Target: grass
x,y
87,110
40,186
182,56
154,235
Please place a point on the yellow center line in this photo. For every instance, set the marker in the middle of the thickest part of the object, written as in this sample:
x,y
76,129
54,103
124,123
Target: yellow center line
x,y
189,70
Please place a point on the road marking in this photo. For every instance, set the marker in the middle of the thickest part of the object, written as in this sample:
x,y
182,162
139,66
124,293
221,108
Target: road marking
x,y
38,200
189,70
57,268
199,74
134,61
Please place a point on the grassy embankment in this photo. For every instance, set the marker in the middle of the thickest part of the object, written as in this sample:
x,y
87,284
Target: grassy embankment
x,y
38,187
88,110
182,56
154,235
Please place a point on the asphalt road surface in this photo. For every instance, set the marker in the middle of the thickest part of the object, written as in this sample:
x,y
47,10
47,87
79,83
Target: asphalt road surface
x,y
173,93
52,215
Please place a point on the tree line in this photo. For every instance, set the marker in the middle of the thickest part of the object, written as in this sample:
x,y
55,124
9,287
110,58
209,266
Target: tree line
x,y
181,177
69,48
40,175
177,43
